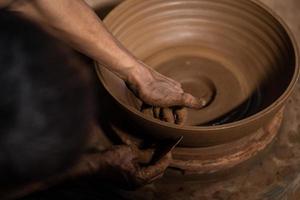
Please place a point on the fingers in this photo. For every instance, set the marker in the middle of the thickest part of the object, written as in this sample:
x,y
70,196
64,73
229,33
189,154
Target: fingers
x,y
167,115
156,112
147,175
161,91
182,99
171,115
144,156
122,166
180,116
147,110
192,102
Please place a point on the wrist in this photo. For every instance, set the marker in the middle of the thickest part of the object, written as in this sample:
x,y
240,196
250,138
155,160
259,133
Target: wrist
x,y
138,78
133,74
124,67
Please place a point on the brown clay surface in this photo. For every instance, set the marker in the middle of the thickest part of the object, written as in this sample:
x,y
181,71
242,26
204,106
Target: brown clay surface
x,y
209,160
233,51
274,177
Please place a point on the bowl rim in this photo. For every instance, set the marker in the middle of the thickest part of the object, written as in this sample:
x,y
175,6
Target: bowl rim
x,y
279,101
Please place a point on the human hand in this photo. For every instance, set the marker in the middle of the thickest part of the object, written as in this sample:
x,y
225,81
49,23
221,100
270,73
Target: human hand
x,y
158,90
126,162
124,166
163,97
119,165
174,115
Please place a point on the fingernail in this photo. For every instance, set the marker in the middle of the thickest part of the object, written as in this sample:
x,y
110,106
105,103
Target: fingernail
x,y
203,102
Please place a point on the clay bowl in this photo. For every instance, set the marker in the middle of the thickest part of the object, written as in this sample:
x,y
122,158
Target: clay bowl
x,y
237,52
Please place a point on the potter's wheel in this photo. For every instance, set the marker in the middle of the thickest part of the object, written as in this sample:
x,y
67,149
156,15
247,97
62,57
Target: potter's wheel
x,y
275,175
196,160
272,175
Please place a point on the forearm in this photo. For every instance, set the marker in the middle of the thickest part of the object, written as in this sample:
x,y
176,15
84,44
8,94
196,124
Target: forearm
x,y
74,22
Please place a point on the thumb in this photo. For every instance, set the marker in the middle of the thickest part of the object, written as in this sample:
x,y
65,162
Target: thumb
x,y
190,101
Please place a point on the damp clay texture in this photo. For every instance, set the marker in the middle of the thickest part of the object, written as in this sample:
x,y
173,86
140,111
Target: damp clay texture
x,y
236,52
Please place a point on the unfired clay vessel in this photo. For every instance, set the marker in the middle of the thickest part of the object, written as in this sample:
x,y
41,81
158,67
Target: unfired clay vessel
x,y
236,51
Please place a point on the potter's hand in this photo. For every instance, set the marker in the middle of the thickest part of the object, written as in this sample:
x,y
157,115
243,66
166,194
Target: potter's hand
x,y
163,97
175,115
158,90
78,25
121,165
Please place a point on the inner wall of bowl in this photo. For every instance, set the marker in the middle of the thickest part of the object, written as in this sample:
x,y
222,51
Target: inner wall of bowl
x,y
233,51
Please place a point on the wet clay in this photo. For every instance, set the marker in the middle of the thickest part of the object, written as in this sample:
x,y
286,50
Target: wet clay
x,y
236,52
